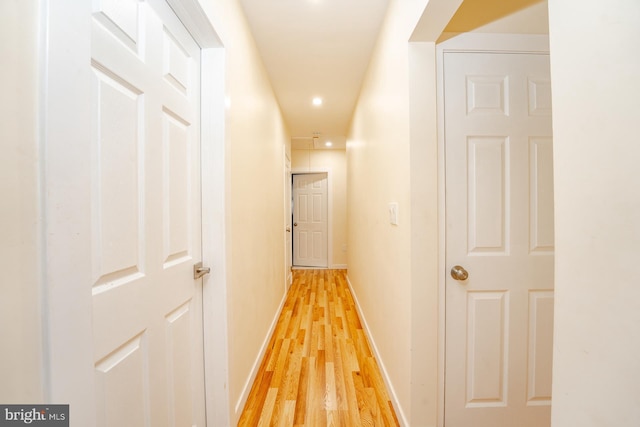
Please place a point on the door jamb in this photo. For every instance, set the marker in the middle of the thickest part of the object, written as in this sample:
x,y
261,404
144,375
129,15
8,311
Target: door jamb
x,y
288,211
327,171
478,43
214,202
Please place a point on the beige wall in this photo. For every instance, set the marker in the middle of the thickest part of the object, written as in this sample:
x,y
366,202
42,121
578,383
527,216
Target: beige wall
x,y
256,140
20,331
594,76
378,172
333,161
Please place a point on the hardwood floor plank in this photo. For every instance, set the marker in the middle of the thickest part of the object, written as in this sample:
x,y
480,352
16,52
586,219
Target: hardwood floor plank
x,y
341,392
301,398
287,419
376,383
318,369
321,384
267,409
279,369
364,406
273,354
256,400
312,408
292,376
331,398
372,404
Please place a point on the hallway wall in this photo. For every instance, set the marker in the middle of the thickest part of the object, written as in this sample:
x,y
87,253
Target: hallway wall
x,y
256,139
21,379
378,172
333,161
594,78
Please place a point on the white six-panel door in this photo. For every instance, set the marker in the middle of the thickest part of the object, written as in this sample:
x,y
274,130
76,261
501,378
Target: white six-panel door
x,y
310,223
499,228
146,225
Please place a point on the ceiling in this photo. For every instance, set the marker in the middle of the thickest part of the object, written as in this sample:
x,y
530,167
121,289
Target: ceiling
x,y
321,48
316,48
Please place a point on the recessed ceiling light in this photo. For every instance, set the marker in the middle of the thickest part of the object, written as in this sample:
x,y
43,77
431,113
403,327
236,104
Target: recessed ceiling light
x,y
328,143
317,101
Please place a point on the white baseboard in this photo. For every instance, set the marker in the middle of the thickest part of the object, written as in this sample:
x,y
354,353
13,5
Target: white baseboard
x,y
393,396
256,365
332,267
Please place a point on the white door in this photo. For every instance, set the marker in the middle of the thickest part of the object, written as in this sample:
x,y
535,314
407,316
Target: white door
x,y
146,225
499,228
310,225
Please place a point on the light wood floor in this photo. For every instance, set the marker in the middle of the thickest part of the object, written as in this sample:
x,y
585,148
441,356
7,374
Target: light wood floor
x,y
318,369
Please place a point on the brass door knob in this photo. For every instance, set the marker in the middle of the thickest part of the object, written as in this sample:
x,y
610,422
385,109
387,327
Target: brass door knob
x,y
459,273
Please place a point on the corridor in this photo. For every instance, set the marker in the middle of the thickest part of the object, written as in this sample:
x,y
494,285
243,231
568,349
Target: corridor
x,y
148,142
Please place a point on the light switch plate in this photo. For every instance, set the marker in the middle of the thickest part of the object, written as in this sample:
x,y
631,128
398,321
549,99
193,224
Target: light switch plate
x,y
393,213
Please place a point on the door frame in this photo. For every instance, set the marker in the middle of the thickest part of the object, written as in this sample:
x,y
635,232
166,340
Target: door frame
x,y
65,270
288,223
471,43
327,171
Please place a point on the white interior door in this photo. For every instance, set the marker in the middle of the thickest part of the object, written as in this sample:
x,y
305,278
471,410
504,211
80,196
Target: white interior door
x,y
146,225
499,228
310,224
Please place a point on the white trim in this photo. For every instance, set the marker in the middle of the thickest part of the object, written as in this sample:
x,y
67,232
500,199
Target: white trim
x,y
196,21
329,173
288,235
468,42
213,160
256,364
45,362
500,43
387,381
442,229
331,267
66,211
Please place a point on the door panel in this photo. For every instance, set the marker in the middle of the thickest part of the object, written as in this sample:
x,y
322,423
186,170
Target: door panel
x,y
147,308
487,199
487,326
310,224
499,227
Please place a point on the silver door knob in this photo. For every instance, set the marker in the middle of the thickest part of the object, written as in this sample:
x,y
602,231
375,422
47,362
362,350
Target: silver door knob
x,y
459,273
199,270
